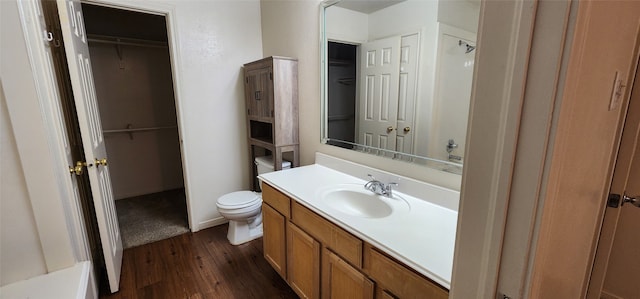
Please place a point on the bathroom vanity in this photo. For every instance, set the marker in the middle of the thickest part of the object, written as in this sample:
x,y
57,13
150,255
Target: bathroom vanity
x,y
329,237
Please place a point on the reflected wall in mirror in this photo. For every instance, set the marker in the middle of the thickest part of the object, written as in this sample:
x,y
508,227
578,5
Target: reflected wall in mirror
x,y
398,78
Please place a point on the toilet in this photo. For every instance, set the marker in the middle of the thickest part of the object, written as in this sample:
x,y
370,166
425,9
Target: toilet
x,y
243,209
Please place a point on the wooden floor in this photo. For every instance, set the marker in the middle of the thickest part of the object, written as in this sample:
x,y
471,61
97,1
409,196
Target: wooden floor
x,y
199,265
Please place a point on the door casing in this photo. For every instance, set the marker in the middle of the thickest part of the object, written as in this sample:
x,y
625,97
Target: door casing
x,y
168,11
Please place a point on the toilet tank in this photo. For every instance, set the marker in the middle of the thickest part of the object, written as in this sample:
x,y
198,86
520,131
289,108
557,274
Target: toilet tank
x,y
265,164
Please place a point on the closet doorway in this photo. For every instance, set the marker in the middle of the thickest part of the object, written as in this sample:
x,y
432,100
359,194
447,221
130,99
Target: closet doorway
x,y
131,66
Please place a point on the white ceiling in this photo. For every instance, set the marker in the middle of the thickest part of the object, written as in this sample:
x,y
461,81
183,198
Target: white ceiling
x,y
367,6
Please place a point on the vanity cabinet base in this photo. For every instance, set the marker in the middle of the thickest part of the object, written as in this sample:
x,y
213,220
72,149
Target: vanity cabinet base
x,y
318,259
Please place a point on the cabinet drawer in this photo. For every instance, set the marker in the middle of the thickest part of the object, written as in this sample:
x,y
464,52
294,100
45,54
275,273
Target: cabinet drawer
x,y
398,279
340,241
276,200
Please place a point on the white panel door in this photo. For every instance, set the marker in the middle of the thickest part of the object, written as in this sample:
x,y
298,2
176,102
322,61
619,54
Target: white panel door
x,y
407,93
79,233
378,104
84,94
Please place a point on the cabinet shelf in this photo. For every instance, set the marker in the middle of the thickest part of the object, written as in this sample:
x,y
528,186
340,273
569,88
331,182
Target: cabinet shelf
x,y
271,98
261,143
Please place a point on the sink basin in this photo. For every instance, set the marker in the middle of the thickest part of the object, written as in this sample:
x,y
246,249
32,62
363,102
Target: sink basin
x,y
357,203
354,200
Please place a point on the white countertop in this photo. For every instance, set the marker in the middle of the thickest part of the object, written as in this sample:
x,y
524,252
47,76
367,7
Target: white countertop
x,y
423,237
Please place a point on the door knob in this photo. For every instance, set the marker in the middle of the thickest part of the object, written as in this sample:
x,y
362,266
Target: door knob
x,y
77,169
389,129
406,130
632,200
102,162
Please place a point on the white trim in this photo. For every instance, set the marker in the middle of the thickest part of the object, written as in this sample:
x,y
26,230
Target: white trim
x,y
48,97
545,80
499,77
212,222
169,12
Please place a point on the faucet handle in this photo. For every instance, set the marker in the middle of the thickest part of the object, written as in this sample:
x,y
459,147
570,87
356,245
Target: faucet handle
x,y
388,189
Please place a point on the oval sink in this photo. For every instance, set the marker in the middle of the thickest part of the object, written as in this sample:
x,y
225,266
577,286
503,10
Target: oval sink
x,y
355,200
358,203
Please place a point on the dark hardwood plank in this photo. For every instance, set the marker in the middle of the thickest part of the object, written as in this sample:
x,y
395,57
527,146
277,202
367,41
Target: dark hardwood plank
x,y
198,266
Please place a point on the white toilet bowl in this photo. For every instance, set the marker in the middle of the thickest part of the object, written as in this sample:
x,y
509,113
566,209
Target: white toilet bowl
x,y
243,209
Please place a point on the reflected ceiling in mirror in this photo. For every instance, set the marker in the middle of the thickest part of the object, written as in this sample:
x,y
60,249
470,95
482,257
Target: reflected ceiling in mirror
x,y
397,78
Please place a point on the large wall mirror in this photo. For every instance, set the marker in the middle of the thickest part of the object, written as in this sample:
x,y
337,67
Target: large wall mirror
x,y
397,78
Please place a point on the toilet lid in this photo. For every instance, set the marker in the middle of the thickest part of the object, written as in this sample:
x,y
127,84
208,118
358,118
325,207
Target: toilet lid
x,y
239,198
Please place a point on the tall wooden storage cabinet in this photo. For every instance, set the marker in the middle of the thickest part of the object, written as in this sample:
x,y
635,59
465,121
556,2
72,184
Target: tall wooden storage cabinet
x,y
271,96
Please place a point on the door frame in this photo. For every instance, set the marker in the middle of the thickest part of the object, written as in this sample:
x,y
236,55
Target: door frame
x,y
168,11
622,163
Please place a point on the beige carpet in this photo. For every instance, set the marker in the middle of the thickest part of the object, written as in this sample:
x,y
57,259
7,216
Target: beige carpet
x,y
153,217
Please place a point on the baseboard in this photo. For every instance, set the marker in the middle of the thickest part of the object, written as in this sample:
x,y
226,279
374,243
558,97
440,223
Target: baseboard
x,y
606,295
127,195
210,223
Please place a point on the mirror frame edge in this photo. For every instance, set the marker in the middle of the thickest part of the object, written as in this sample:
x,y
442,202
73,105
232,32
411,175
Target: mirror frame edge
x,y
324,70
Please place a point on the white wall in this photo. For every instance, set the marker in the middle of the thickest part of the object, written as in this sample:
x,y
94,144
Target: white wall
x,y
347,25
292,28
463,14
215,39
21,254
138,90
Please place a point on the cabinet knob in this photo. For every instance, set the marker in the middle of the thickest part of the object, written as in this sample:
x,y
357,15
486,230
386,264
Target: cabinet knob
x,y
389,129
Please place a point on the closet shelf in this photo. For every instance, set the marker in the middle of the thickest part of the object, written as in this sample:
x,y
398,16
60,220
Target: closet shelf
x,y
339,117
139,129
346,81
130,130
340,62
125,41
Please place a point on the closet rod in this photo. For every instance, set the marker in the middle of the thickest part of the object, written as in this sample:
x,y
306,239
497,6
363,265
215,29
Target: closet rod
x,y
123,41
139,129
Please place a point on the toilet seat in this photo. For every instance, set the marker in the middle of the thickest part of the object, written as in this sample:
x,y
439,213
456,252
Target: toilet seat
x,y
239,200
238,211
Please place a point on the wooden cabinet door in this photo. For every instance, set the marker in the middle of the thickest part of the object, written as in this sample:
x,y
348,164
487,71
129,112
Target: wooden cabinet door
x,y
398,280
274,239
259,92
341,280
303,262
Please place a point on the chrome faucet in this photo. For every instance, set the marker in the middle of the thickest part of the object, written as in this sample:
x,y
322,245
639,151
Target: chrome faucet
x,y
379,187
451,145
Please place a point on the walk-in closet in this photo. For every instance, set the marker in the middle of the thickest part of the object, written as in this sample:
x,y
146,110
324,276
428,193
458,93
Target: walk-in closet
x,y
341,85
133,80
